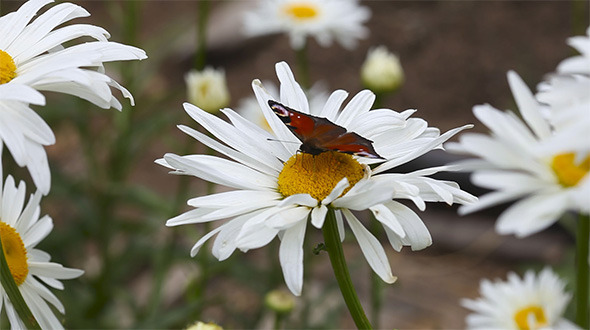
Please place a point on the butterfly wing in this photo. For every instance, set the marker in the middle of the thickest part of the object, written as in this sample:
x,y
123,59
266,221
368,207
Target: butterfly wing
x,y
320,134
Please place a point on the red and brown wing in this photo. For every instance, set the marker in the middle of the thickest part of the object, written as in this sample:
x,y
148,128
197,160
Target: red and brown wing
x,y
319,134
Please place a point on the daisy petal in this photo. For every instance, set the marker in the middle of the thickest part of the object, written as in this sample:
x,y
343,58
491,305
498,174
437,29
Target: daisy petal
x,y
291,257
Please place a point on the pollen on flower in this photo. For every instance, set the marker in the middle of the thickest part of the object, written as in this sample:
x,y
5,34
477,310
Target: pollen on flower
x,y
301,11
7,68
15,253
567,171
530,317
317,175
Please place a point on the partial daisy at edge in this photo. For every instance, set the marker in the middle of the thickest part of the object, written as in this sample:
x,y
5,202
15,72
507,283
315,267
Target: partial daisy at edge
x,y
277,189
512,162
34,59
21,229
535,301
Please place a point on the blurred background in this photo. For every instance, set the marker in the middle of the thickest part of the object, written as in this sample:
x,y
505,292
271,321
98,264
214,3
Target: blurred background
x,y
109,201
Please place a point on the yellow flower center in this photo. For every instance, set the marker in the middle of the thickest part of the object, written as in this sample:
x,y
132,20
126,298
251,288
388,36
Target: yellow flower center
x,y
530,317
15,253
7,68
301,11
568,172
318,175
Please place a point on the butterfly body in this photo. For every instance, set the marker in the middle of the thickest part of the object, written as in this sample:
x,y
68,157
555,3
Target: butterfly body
x,y
319,134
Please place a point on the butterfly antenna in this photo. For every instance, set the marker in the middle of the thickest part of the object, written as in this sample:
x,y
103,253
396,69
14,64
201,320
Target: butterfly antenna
x,y
277,140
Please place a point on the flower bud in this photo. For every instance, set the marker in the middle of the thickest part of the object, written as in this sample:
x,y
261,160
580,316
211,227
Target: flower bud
x,y
382,71
204,326
280,301
207,89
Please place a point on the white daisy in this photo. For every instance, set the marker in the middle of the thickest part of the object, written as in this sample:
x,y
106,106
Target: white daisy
x,y
21,230
277,189
580,63
567,107
325,20
533,302
512,164
32,54
207,89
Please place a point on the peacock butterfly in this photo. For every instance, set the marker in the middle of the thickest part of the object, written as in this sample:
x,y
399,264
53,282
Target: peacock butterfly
x,y
319,135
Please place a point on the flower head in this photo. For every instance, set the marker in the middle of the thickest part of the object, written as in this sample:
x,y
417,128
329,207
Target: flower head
x,y
207,89
21,230
326,20
277,188
533,302
513,164
33,57
382,71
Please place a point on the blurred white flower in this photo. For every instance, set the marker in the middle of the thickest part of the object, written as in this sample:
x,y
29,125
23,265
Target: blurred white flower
x,y
580,63
279,188
207,89
533,302
382,71
21,230
566,100
325,20
513,164
33,57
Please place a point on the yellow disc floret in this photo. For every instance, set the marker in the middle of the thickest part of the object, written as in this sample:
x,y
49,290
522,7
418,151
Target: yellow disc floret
x,y
301,11
317,175
7,68
567,171
15,253
530,317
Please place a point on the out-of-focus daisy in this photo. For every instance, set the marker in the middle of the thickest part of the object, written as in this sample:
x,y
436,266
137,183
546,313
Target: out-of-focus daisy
x,y
512,163
249,107
277,188
21,230
207,89
566,100
382,71
325,20
204,326
580,63
533,302
32,54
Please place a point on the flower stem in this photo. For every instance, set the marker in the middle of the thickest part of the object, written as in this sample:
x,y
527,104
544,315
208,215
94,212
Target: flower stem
x,y
582,278
303,66
203,14
19,304
334,248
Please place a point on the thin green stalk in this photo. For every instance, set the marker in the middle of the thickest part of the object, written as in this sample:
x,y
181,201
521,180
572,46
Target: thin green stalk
x,y
334,248
303,67
9,286
582,278
279,318
203,16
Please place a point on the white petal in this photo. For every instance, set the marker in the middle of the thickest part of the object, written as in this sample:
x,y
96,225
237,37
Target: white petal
x,y
371,248
318,216
388,219
532,214
337,191
288,218
291,257
528,106
359,105
291,93
417,235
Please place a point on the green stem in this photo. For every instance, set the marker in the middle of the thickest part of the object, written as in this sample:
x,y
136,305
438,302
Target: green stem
x,y
19,304
303,67
203,13
582,278
278,324
334,248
